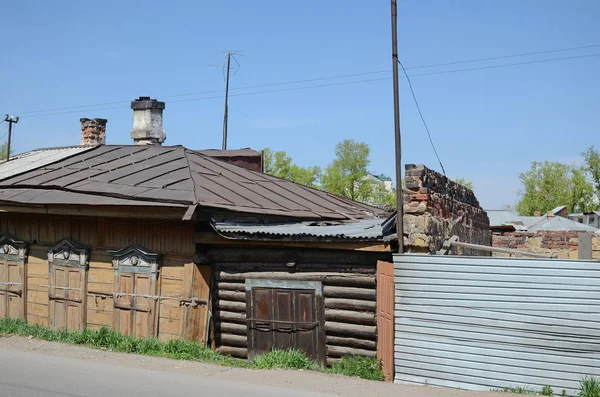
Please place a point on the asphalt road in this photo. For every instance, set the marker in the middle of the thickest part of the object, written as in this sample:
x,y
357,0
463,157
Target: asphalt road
x,y
32,374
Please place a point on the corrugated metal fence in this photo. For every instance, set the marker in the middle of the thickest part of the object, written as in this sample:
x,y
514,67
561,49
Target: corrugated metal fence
x,y
487,323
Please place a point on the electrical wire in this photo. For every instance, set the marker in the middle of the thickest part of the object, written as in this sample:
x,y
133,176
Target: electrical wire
x,y
334,77
328,84
422,118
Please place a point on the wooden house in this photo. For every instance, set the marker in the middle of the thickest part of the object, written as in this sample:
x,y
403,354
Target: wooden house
x,y
169,242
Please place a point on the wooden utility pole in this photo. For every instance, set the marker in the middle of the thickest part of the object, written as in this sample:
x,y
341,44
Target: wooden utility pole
x,y
398,141
225,115
10,120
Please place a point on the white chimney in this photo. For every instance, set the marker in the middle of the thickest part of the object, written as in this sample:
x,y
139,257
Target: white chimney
x,y
147,121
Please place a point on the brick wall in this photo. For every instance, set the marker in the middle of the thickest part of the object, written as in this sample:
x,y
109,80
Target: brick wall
x,y
436,208
563,244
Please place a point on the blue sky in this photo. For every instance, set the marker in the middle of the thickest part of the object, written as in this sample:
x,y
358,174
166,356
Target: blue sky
x,y
488,125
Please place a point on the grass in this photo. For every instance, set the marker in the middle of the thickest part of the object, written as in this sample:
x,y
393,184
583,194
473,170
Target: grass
x,y
179,349
362,367
589,386
283,359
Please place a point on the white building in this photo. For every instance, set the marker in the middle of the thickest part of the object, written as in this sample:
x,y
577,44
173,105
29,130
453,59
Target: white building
x,y
587,218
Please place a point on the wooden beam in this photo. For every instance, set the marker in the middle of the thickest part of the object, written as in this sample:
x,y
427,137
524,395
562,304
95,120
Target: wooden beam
x,y
351,245
158,212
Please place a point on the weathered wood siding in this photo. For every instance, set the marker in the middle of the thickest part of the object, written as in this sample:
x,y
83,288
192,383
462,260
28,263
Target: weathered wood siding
x,y
178,278
37,271
478,323
349,291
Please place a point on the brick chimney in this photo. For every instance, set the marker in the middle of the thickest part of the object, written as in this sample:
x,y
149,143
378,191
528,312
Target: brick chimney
x,y
93,132
537,213
147,121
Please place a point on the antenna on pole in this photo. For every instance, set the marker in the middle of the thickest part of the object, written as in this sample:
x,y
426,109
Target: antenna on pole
x,y
397,137
228,56
10,120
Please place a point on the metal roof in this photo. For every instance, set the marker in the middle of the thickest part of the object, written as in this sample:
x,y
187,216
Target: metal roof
x,y
508,218
365,229
37,158
176,175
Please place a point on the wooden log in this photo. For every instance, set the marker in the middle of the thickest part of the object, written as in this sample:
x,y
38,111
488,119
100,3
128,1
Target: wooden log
x,y
237,329
352,342
349,280
233,340
335,269
231,306
351,304
351,330
282,256
340,351
349,316
350,293
231,287
231,295
231,317
239,352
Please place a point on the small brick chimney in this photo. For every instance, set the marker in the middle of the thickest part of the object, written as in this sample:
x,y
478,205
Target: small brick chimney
x,y
93,131
147,121
537,213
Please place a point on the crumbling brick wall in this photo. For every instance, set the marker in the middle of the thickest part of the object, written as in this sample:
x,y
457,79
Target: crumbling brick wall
x,y
436,208
563,244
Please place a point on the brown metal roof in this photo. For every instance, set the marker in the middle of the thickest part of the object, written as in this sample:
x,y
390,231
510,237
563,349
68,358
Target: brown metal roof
x,y
174,175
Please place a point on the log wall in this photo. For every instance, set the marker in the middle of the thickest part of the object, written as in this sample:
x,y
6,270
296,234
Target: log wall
x,y
349,290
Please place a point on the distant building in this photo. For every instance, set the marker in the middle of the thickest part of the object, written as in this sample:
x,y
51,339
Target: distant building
x,y
378,200
587,218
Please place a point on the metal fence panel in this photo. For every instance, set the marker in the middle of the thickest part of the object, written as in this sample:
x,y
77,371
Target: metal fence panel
x,y
493,323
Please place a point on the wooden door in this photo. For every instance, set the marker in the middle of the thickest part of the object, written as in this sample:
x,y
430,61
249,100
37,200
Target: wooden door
x,y
134,308
284,319
385,317
12,287
67,297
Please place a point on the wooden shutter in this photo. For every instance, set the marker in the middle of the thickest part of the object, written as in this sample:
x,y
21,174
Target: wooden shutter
x,y
68,285
13,290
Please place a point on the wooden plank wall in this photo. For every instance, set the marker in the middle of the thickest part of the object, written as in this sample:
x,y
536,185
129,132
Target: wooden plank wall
x,y
172,239
349,289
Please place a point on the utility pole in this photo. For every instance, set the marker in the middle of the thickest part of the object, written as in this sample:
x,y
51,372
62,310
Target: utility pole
x,y
398,141
224,146
10,120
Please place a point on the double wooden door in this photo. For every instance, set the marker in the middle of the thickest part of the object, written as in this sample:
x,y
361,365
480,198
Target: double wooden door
x,y
134,308
67,297
283,319
12,289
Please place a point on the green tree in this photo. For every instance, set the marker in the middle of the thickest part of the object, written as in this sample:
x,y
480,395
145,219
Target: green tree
x,y
347,174
547,185
592,165
279,164
466,183
4,151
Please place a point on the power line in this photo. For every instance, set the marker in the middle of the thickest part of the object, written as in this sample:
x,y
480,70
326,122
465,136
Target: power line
x,y
333,77
422,118
330,84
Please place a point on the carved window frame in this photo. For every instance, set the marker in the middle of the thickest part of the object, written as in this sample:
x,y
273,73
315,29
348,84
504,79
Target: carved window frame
x,y
136,259
13,250
69,253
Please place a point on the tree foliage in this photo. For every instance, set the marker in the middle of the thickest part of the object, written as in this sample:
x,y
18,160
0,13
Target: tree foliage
x,y
547,185
4,151
279,164
592,165
347,174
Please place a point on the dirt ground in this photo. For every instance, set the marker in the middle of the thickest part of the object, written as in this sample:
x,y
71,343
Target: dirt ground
x,y
301,381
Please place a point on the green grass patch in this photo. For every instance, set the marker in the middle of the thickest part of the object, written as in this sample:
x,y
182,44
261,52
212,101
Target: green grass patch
x,y
283,359
589,386
357,366
179,349
518,390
